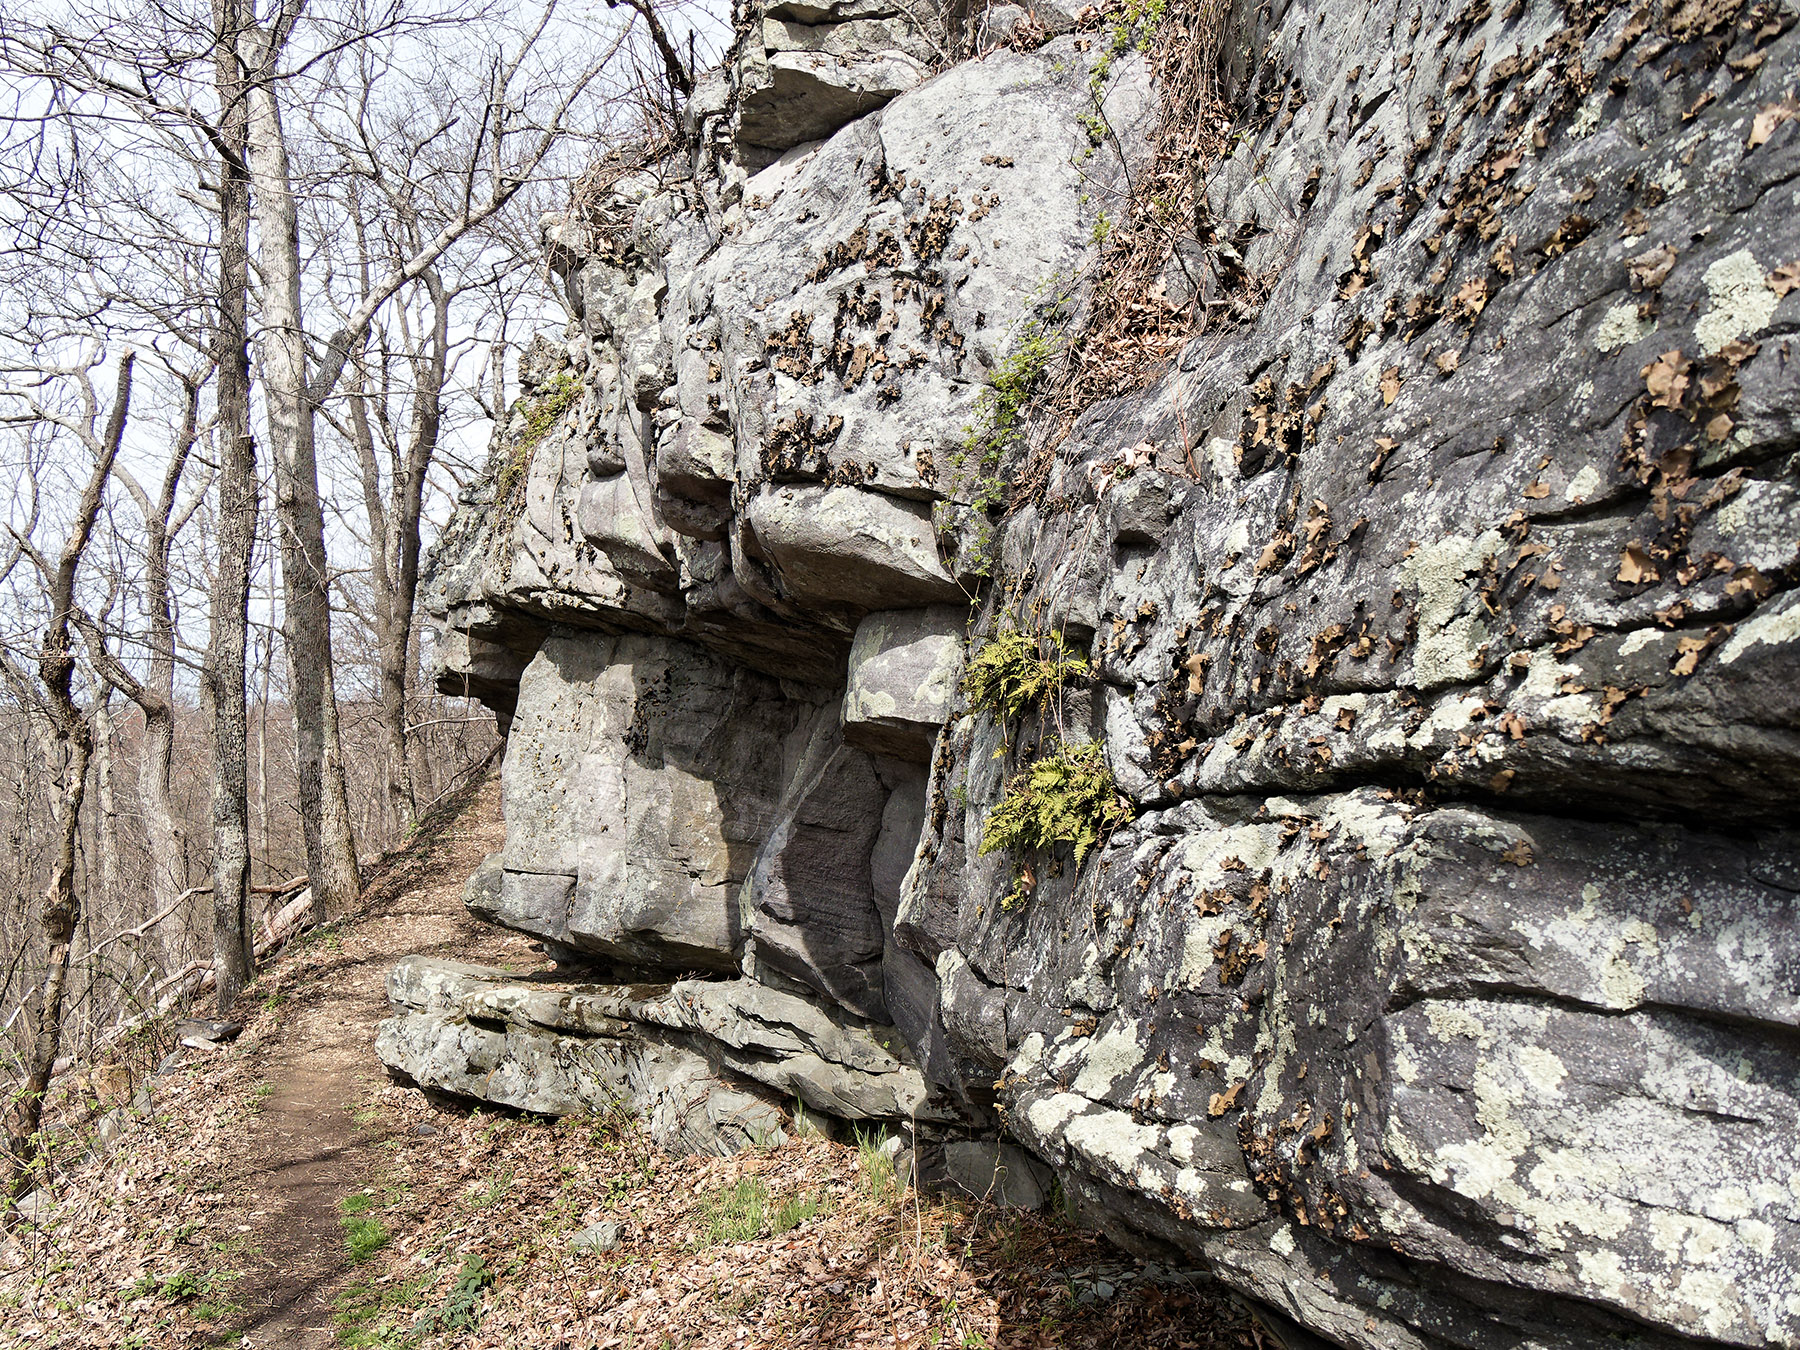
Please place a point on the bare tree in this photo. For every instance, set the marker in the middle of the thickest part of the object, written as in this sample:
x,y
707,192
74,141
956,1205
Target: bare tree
x,y
398,404
163,517
143,142
69,747
511,143
223,688
111,235
394,519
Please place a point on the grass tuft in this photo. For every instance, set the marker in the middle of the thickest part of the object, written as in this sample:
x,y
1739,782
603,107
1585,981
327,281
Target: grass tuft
x,y
879,1181
794,1211
364,1235
737,1213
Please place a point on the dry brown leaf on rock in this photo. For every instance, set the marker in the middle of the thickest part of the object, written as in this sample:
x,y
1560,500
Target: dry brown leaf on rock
x,y
1224,1101
1767,119
1518,853
1636,566
1666,378
1470,298
1648,270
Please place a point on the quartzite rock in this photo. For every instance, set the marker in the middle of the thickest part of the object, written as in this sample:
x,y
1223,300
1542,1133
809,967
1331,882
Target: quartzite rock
x,y
709,1064
638,786
902,674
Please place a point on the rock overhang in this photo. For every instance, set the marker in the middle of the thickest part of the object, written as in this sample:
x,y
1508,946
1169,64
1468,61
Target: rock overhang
x,y
1454,699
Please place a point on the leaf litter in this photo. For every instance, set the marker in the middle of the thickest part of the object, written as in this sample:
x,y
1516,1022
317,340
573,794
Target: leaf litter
x,y
474,1228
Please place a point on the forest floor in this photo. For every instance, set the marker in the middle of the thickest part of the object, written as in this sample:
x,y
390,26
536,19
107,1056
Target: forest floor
x,y
284,1193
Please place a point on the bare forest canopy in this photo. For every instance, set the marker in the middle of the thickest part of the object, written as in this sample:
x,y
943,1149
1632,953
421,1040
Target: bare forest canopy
x,y
264,267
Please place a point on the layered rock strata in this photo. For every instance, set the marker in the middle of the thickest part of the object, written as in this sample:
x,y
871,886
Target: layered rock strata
x,y
1438,603
675,1053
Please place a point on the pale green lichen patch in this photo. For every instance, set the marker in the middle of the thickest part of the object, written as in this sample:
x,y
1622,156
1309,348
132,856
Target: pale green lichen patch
x,y
1112,1137
1620,980
1111,1056
1606,949
1741,303
1776,628
1714,1297
1209,854
1611,1189
1583,485
1621,326
1603,1270
1545,678
1542,1069
1028,1056
1562,1190
1448,718
1049,1114
1451,630
1450,1020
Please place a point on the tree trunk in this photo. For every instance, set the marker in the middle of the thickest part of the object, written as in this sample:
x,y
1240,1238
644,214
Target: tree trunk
x,y
267,670
106,837
306,608
162,825
224,682
430,368
156,699
62,910
71,747
394,544
395,781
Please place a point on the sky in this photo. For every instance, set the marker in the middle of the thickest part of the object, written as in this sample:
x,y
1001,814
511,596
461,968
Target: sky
x,y
147,230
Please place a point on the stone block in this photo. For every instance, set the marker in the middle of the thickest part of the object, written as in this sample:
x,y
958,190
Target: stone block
x,y
903,671
844,547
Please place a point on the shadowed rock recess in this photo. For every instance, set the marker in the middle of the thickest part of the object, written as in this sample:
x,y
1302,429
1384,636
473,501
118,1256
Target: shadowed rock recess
x,y
1441,984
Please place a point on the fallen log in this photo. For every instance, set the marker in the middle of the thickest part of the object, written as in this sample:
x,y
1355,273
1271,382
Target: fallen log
x,y
143,929
196,977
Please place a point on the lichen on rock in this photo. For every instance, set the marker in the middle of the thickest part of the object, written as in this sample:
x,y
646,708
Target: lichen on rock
x,y
1411,483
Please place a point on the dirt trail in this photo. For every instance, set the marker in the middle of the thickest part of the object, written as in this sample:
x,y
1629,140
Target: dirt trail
x,y
308,1149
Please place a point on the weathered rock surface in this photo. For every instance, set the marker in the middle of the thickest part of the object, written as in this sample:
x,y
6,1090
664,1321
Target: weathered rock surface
x,y
812,68
902,675
690,1056
642,774
1439,603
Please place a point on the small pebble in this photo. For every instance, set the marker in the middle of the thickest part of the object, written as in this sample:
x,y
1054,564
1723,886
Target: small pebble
x,y
601,1237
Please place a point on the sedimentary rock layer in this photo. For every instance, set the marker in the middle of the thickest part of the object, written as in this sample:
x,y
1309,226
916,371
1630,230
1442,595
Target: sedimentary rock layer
x,y
1437,604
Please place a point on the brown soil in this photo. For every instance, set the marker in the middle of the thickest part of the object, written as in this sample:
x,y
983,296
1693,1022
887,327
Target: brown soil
x,y
308,1149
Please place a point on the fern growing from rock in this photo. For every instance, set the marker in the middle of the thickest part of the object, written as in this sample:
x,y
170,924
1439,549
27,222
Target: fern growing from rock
x,y
1015,671
1065,797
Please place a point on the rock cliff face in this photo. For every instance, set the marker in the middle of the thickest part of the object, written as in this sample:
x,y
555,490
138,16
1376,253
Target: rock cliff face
x,y
1434,979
